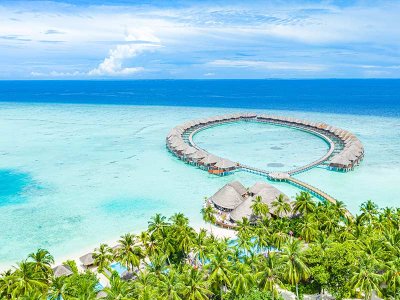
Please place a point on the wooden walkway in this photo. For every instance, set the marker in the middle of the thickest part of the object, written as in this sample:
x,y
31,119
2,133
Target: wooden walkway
x,y
188,136
294,181
312,190
284,176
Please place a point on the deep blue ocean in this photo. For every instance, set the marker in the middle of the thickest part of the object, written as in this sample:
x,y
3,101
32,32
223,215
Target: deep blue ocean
x,y
354,96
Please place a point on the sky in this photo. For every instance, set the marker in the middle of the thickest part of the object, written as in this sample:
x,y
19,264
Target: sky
x,y
124,39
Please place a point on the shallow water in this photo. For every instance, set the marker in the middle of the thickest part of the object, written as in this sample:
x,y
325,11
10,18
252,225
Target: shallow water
x,y
81,174
269,147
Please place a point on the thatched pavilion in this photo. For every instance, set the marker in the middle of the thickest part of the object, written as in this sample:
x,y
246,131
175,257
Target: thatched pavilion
x,y
226,199
62,270
87,260
235,201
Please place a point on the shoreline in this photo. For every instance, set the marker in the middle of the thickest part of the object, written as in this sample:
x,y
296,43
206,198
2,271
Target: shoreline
x,y
217,231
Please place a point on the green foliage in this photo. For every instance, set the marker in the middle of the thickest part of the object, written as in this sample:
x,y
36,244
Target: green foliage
x,y
321,250
256,295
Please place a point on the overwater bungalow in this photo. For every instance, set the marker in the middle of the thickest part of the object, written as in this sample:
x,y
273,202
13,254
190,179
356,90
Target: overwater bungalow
x,y
222,167
347,150
209,160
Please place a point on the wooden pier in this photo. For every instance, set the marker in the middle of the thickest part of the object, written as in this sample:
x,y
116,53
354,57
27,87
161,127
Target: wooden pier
x,y
344,152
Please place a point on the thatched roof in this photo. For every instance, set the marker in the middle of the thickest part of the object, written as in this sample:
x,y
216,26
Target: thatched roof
x,y
189,150
62,270
210,159
340,161
238,187
181,147
126,275
269,194
87,259
243,210
348,154
227,197
198,154
258,186
176,141
225,164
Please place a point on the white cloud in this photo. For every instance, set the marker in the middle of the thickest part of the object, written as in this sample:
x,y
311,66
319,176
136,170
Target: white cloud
x,y
267,65
57,74
103,40
142,40
112,65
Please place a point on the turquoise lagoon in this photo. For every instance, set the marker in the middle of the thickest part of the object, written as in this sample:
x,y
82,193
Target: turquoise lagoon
x,y
74,175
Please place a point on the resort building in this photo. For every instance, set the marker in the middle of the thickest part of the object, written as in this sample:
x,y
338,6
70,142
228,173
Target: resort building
x,y
345,149
233,202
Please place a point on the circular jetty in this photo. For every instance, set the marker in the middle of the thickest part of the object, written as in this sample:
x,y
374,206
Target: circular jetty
x,y
345,150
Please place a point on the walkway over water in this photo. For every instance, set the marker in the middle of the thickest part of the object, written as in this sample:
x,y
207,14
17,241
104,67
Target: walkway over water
x,y
345,151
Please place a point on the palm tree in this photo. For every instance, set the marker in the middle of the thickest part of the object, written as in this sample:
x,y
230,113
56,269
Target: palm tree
x,y
281,206
295,267
365,279
208,214
369,212
196,286
144,286
157,264
58,289
83,286
263,238
201,247
151,243
308,229
170,286
340,208
42,261
244,228
219,271
259,208
25,280
118,289
157,225
179,220
392,274
182,234
280,232
103,256
304,203
268,271
6,284
242,279
128,253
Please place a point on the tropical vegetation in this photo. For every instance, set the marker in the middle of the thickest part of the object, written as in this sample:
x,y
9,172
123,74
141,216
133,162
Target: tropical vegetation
x,y
321,250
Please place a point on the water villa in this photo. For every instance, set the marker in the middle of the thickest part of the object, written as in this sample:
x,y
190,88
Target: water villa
x,y
233,202
345,149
